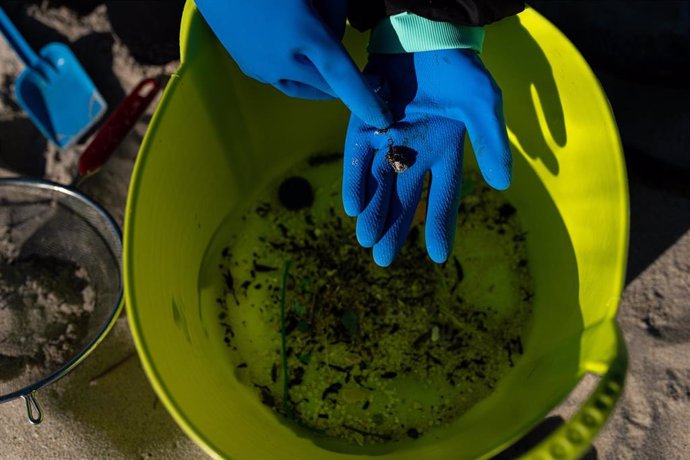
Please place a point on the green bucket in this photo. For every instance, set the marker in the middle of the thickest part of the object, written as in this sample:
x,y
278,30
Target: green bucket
x,y
207,150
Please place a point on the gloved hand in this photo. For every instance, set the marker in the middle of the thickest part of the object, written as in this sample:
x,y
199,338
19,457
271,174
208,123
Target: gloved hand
x,y
295,46
434,96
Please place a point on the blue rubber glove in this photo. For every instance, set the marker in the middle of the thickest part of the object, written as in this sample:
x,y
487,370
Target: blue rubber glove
x,y
295,46
435,96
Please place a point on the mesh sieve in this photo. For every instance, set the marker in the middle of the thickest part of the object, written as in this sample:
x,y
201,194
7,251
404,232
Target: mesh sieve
x,y
42,221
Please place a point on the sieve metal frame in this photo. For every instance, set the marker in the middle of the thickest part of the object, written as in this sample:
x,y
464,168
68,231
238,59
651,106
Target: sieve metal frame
x,y
28,392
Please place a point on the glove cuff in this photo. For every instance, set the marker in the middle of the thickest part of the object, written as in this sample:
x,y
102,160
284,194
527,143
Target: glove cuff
x,y
409,33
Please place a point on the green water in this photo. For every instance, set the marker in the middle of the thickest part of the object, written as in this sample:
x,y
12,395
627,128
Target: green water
x,y
371,354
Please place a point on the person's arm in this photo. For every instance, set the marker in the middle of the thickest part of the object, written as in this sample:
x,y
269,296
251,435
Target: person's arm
x,y
364,14
295,46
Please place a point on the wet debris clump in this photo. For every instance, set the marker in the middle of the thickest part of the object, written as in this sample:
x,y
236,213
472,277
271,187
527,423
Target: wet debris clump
x,y
295,193
398,158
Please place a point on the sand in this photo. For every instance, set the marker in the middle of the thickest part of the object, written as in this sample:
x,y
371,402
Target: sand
x,y
106,407
45,306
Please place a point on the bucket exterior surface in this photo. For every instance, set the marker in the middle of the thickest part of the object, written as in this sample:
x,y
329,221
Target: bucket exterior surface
x,y
218,136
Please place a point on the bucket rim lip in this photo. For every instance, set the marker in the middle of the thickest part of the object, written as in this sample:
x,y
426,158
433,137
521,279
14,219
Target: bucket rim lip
x,y
109,322
158,383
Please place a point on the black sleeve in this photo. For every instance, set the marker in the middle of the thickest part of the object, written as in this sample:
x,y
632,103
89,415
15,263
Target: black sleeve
x,y
364,14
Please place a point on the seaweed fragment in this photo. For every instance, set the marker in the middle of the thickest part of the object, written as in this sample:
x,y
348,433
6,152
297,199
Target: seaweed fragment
x,y
333,388
263,209
506,210
298,377
458,269
413,433
358,380
274,373
384,437
319,159
266,395
422,338
261,268
230,284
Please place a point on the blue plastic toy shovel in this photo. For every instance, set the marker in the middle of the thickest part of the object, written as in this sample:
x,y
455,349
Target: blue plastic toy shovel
x,y
53,89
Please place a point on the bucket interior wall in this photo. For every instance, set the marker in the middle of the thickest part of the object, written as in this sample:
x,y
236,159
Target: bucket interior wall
x,y
219,136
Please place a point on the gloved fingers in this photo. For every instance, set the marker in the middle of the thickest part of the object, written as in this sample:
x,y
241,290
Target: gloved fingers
x,y
304,71
491,147
478,104
405,196
358,154
487,130
371,221
442,207
301,90
342,75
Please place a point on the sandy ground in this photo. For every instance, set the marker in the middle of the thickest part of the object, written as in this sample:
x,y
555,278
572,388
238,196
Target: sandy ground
x,y
106,407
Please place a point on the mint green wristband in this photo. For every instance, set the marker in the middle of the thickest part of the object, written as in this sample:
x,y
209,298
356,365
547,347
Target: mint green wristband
x,y
409,33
